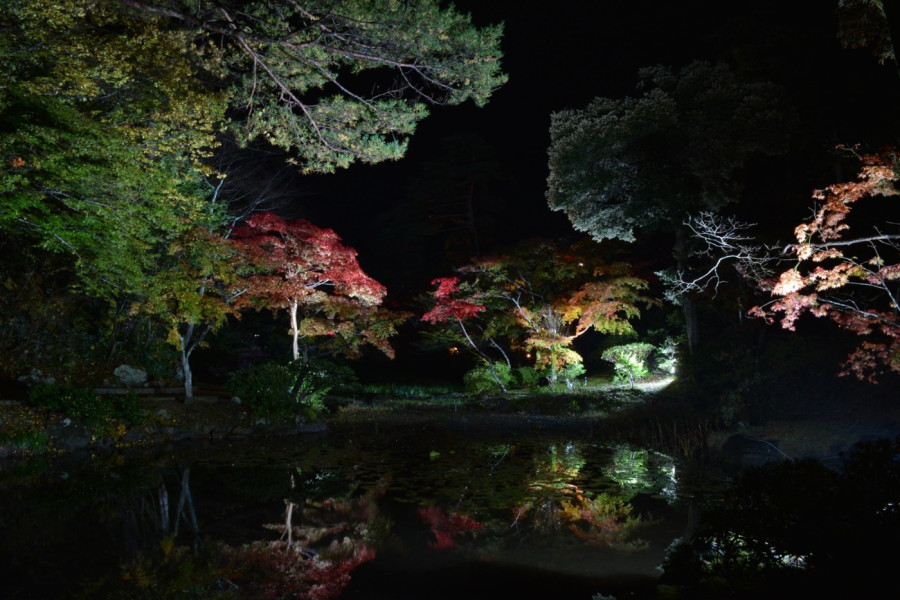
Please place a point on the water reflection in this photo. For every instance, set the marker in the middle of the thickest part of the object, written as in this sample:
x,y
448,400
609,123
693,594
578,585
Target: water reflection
x,y
340,515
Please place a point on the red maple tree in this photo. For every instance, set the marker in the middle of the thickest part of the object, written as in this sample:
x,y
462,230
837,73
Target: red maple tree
x,y
849,279
310,272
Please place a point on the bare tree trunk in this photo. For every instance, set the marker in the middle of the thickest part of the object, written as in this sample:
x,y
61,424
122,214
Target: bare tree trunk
x,y
163,495
295,331
690,308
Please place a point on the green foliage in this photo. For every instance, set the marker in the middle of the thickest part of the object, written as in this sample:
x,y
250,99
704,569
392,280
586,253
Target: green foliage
x,y
408,390
665,357
295,390
527,378
643,162
264,389
631,361
27,439
539,297
111,112
566,377
108,415
483,380
313,380
795,523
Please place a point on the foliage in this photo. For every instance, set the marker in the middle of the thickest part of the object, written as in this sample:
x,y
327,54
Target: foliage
x,y
537,300
848,279
313,380
310,272
264,389
26,439
644,162
447,528
487,379
334,83
296,390
631,361
526,377
111,114
864,24
110,416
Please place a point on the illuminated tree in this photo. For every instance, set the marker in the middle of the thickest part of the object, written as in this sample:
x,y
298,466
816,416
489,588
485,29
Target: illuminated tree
x,y
851,279
311,273
112,111
643,163
193,292
540,299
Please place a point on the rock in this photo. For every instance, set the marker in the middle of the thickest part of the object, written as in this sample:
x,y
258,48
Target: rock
x,y
35,376
130,376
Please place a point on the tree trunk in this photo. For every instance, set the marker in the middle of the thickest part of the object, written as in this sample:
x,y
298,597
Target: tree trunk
x,y
295,348
188,377
186,349
690,308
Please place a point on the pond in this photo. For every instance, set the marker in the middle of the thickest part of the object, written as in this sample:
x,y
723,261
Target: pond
x,y
364,511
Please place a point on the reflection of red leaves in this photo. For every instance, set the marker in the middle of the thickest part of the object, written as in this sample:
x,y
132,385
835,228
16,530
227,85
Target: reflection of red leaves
x,y
446,528
268,571
17,163
328,579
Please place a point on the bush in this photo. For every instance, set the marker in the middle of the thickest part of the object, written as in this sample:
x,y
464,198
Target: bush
x,y
630,360
481,380
567,377
528,378
109,416
274,390
313,380
264,389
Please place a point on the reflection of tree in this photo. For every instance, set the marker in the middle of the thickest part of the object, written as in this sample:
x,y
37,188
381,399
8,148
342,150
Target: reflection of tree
x,y
637,470
149,519
603,520
314,557
447,527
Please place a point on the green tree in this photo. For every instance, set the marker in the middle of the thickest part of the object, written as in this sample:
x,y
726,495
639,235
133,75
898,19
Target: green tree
x,y
647,162
111,112
336,82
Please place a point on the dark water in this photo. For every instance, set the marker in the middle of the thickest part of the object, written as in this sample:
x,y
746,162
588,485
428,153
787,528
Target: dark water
x,y
435,513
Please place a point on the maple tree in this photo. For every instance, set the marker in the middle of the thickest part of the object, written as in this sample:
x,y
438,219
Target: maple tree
x,y
539,299
311,273
850,279
194,290
113,114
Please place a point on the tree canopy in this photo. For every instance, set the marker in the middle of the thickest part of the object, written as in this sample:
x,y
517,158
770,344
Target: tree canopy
x,y
113,115
647,161
538,299
849,278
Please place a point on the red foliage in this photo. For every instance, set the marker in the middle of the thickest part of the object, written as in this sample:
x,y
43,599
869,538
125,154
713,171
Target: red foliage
x,y
830,268
446,307
302,258
447,527
309,271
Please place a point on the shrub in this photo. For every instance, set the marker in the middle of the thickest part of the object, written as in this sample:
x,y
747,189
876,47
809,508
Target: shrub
x,y
109,416
481,380
567,377
630,360
264,389
297,389
526,377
